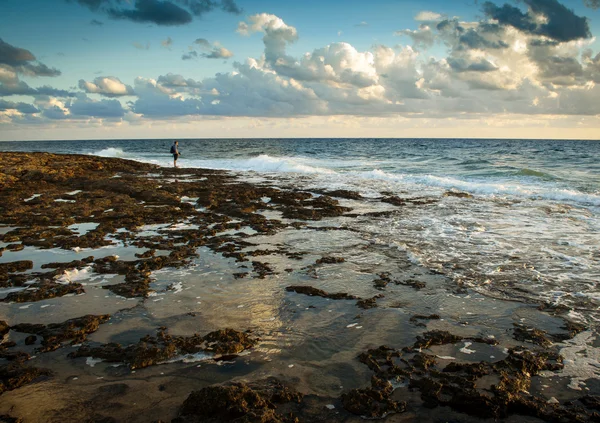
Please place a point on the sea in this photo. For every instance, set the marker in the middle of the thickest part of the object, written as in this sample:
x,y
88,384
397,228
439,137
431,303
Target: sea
x,y
528,231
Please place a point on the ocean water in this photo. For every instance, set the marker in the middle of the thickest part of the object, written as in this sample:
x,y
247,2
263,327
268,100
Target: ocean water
x,y
531,231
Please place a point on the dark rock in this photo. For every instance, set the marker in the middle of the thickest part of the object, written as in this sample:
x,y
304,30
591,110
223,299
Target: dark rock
x,y
44,291
369,303
526,334
330,260
457,194
151,350
418,317
16,266
30,340
55,334
374,402
314,292
15,374
240,402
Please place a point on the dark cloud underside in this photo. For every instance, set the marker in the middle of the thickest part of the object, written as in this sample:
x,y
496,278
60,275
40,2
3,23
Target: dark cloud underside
x,y
562,24
159,12
154,11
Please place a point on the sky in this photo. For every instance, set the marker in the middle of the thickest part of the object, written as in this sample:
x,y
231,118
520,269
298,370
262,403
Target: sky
x,y
132,69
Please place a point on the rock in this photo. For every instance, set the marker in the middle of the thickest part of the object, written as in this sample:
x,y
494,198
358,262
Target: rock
x,y
30,340
374,402
55,334
330,260
15,374
44,291
314,292
16,266
526,334
369,303
240,402
152,350
457,194
4,328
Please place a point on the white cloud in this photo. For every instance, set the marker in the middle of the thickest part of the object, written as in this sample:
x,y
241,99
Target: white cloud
x,y
427,16
108,86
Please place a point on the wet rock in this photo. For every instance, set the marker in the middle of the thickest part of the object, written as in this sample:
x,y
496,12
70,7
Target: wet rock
x,y
436,337
152,350
369,303
16,266
457,194
43,291
374,402
5,418
314,292
400,202
240,402
262,269
342,193
240,275
30,340
4,328
228,341
330,260
15,374
75,330
413,283
524,333
418,317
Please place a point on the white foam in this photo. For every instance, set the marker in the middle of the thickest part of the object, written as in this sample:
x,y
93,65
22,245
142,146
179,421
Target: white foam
x,y
32,197
110,152
466,350
267,164
91,361
581,360
75,275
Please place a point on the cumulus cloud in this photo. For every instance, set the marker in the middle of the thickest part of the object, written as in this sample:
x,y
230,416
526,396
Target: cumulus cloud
x,y
171,80
428,16
423,37
19,107
211,51
218,53
545,17
203,43
108,86
490,66
20,60
85,106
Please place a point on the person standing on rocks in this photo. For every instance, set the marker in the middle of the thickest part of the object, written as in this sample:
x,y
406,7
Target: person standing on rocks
x,y
175,152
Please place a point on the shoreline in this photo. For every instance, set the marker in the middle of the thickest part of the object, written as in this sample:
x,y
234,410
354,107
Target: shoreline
x,y
167,226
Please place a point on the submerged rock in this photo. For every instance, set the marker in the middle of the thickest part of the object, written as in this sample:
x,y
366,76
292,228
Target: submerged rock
x,y
152,350
369,303
75,330
374,402
314,292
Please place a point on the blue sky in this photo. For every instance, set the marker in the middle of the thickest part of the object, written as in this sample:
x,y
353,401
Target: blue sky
x,y
341,68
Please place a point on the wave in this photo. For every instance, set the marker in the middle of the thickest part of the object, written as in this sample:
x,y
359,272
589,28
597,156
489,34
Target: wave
x,y
489,188
109,152
534,173
263,163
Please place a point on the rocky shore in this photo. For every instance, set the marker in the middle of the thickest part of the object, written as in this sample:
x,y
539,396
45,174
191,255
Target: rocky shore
x,y
104,242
